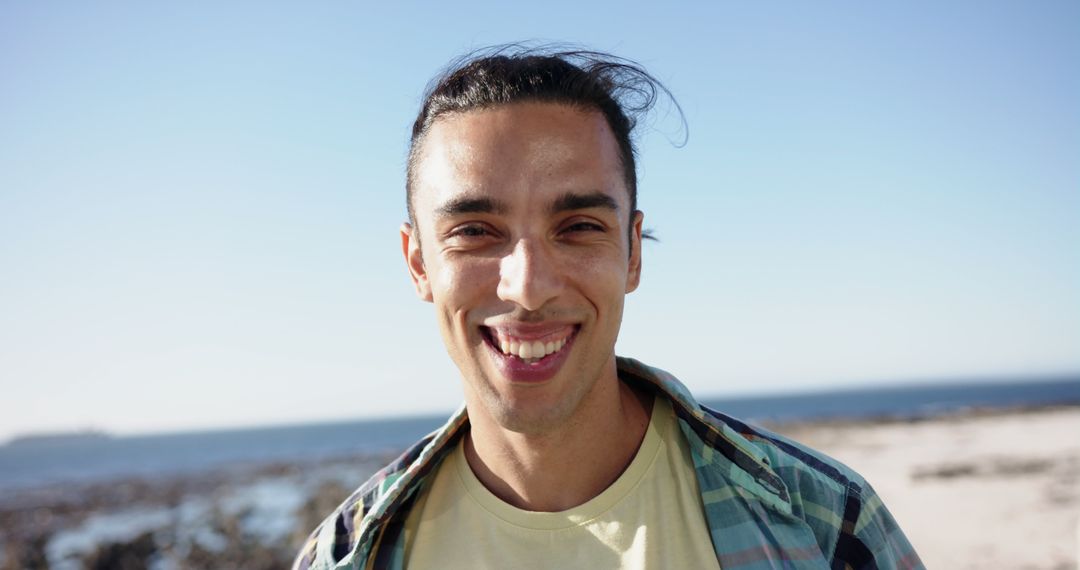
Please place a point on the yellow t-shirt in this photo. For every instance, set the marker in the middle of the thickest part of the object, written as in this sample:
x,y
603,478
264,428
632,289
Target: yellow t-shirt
x,y
650,517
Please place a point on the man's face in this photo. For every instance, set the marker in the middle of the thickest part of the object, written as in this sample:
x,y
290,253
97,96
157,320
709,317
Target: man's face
x,y
522,213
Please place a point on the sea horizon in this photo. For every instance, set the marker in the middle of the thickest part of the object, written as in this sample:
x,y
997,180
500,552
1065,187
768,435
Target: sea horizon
x,y
717,402
92,457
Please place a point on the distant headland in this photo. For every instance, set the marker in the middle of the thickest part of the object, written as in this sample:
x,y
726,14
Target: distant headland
x,y
52,438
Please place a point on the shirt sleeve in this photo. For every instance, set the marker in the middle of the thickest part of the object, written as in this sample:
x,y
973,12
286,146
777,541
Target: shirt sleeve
x,y
870,537
306,555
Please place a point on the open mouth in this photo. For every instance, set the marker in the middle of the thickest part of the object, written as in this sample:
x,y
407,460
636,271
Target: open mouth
x,y
529,351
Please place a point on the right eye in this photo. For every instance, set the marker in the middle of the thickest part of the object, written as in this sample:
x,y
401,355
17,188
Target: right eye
x,y
469,231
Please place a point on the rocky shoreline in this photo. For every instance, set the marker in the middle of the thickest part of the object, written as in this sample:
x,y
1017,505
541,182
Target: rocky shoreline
x,y
239,516
978,489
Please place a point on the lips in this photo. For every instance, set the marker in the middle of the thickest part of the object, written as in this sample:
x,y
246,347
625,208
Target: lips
x,y
529,354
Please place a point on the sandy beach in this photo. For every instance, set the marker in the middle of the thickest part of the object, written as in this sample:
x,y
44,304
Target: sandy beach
x,y
978,490
971,490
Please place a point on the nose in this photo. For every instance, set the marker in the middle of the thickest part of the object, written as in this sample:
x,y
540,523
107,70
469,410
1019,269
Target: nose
x,y
529,276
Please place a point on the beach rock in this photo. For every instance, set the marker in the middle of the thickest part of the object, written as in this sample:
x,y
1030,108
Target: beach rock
x,y
133,555
27,554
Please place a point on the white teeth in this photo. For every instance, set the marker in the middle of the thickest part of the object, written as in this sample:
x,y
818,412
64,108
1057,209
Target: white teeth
x,y
529,351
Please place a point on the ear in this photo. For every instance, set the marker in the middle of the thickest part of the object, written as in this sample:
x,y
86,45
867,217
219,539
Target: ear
x,y
414,259
633,277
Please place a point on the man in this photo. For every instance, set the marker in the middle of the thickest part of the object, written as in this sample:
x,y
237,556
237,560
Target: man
x,y
524,234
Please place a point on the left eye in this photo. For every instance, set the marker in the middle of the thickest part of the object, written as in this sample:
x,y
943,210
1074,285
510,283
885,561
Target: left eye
x,y
584,227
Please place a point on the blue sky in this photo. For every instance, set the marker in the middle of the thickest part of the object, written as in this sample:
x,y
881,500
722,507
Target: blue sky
x,y
199,202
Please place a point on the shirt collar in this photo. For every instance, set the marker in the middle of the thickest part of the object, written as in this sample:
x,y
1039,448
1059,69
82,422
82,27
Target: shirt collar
x,y
716,431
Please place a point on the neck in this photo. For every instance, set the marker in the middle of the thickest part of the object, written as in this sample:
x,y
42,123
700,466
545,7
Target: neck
x,y
560,468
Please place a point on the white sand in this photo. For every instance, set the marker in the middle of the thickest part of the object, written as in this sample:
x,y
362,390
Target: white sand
x,y
989,491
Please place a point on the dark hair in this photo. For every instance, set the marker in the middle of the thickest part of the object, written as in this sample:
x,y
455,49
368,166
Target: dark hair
x,y
616,87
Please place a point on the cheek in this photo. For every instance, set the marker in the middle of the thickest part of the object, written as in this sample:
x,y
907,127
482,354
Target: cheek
x,y
457,290
607,264
601,276
458,284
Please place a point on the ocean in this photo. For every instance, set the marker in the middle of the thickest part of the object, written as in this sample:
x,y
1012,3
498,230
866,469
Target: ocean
x,y
89,460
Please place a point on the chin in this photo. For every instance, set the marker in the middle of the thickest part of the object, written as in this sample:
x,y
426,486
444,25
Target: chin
x,y
531,409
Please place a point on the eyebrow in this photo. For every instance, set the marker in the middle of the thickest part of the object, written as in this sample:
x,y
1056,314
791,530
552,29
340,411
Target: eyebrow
x,y
466,205
567,202
572,201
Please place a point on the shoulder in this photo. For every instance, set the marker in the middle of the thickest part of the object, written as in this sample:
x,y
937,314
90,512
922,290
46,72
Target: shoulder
x,y
799,466
844,511
739,465
350,531
335,537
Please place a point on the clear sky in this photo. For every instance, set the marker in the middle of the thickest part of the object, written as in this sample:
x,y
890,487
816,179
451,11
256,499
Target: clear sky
x,y
199,201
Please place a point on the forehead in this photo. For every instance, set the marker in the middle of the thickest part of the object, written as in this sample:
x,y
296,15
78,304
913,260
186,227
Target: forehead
x,y
518,153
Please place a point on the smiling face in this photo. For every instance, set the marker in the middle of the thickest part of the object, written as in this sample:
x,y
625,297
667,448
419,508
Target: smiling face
x,y
523,216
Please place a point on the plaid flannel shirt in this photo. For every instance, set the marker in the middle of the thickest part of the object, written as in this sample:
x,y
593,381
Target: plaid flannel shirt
x,y
769,502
